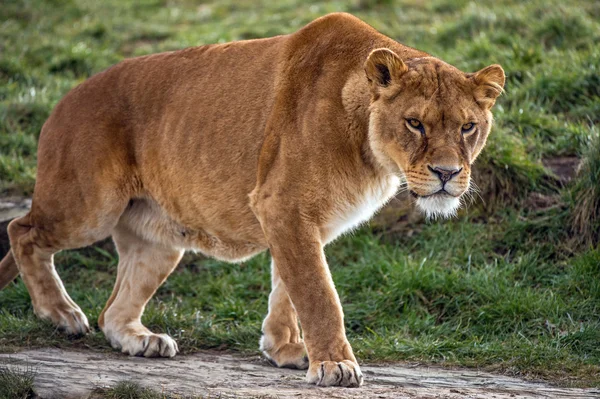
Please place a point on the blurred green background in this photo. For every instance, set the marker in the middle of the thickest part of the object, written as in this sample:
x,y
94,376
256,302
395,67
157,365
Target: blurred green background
x,y
512,284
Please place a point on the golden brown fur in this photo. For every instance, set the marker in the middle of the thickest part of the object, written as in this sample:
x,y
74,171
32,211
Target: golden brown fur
x,y
230,149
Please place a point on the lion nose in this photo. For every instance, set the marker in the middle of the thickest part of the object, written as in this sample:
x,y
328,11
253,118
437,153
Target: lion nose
x,y
444,174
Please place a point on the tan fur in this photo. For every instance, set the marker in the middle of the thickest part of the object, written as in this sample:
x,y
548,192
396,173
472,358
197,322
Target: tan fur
x,y
230,149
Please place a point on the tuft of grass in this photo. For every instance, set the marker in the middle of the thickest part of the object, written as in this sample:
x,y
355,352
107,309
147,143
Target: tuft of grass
x,y
133,390
585,196
130,390
16,383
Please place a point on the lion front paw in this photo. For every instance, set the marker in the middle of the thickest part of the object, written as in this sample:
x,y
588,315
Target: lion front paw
x,y
290,355
137,340
150,345
329,373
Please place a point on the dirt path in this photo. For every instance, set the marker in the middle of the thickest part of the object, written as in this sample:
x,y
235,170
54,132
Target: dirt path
x,y
74,374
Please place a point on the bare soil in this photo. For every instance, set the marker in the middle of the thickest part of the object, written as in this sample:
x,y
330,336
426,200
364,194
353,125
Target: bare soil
x,y
77,374
565,168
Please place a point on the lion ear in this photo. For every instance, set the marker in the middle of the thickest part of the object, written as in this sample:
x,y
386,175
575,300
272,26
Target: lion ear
x,y
383,68
489,85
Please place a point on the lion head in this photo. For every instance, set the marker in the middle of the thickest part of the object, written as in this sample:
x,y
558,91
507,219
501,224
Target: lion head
x,y
428,122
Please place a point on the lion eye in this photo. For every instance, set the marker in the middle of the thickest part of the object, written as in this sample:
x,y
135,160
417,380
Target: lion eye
x,y
467,127
415,124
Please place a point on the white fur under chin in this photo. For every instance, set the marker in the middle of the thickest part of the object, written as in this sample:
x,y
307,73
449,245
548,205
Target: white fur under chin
x,y
438,206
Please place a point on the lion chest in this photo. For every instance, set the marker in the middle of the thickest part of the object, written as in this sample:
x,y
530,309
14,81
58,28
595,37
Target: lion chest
x,y
347,216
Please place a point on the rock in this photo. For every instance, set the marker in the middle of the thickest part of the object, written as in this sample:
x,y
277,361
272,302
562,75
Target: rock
x,y
76,374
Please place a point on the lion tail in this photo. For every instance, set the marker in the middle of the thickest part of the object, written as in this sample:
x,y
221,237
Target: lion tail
x,y
8,270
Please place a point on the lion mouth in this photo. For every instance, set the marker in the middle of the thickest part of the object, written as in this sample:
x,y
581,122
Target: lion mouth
x,y
440,193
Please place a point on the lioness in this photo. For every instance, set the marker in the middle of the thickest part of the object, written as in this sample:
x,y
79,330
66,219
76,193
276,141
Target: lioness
x,y
231,149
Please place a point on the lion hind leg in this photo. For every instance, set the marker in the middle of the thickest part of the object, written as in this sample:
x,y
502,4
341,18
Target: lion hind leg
x,y
281,342
63,215
143,267
33,248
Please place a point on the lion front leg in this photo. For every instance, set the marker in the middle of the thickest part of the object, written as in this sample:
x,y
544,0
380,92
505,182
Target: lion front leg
x,y
300,261
281,342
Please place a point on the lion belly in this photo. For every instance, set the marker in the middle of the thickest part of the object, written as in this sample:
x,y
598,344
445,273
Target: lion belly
x,y
150,221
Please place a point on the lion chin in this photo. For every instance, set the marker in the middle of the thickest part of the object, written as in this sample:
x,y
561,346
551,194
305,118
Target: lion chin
x,y
438,206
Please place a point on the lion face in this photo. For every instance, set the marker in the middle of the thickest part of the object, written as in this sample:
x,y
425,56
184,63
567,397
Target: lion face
x,y
429,121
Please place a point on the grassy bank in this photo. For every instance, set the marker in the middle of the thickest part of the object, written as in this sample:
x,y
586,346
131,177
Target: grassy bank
x,y
512,284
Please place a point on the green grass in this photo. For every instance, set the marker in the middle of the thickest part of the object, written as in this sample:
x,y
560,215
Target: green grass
x,y
509,285
130,390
